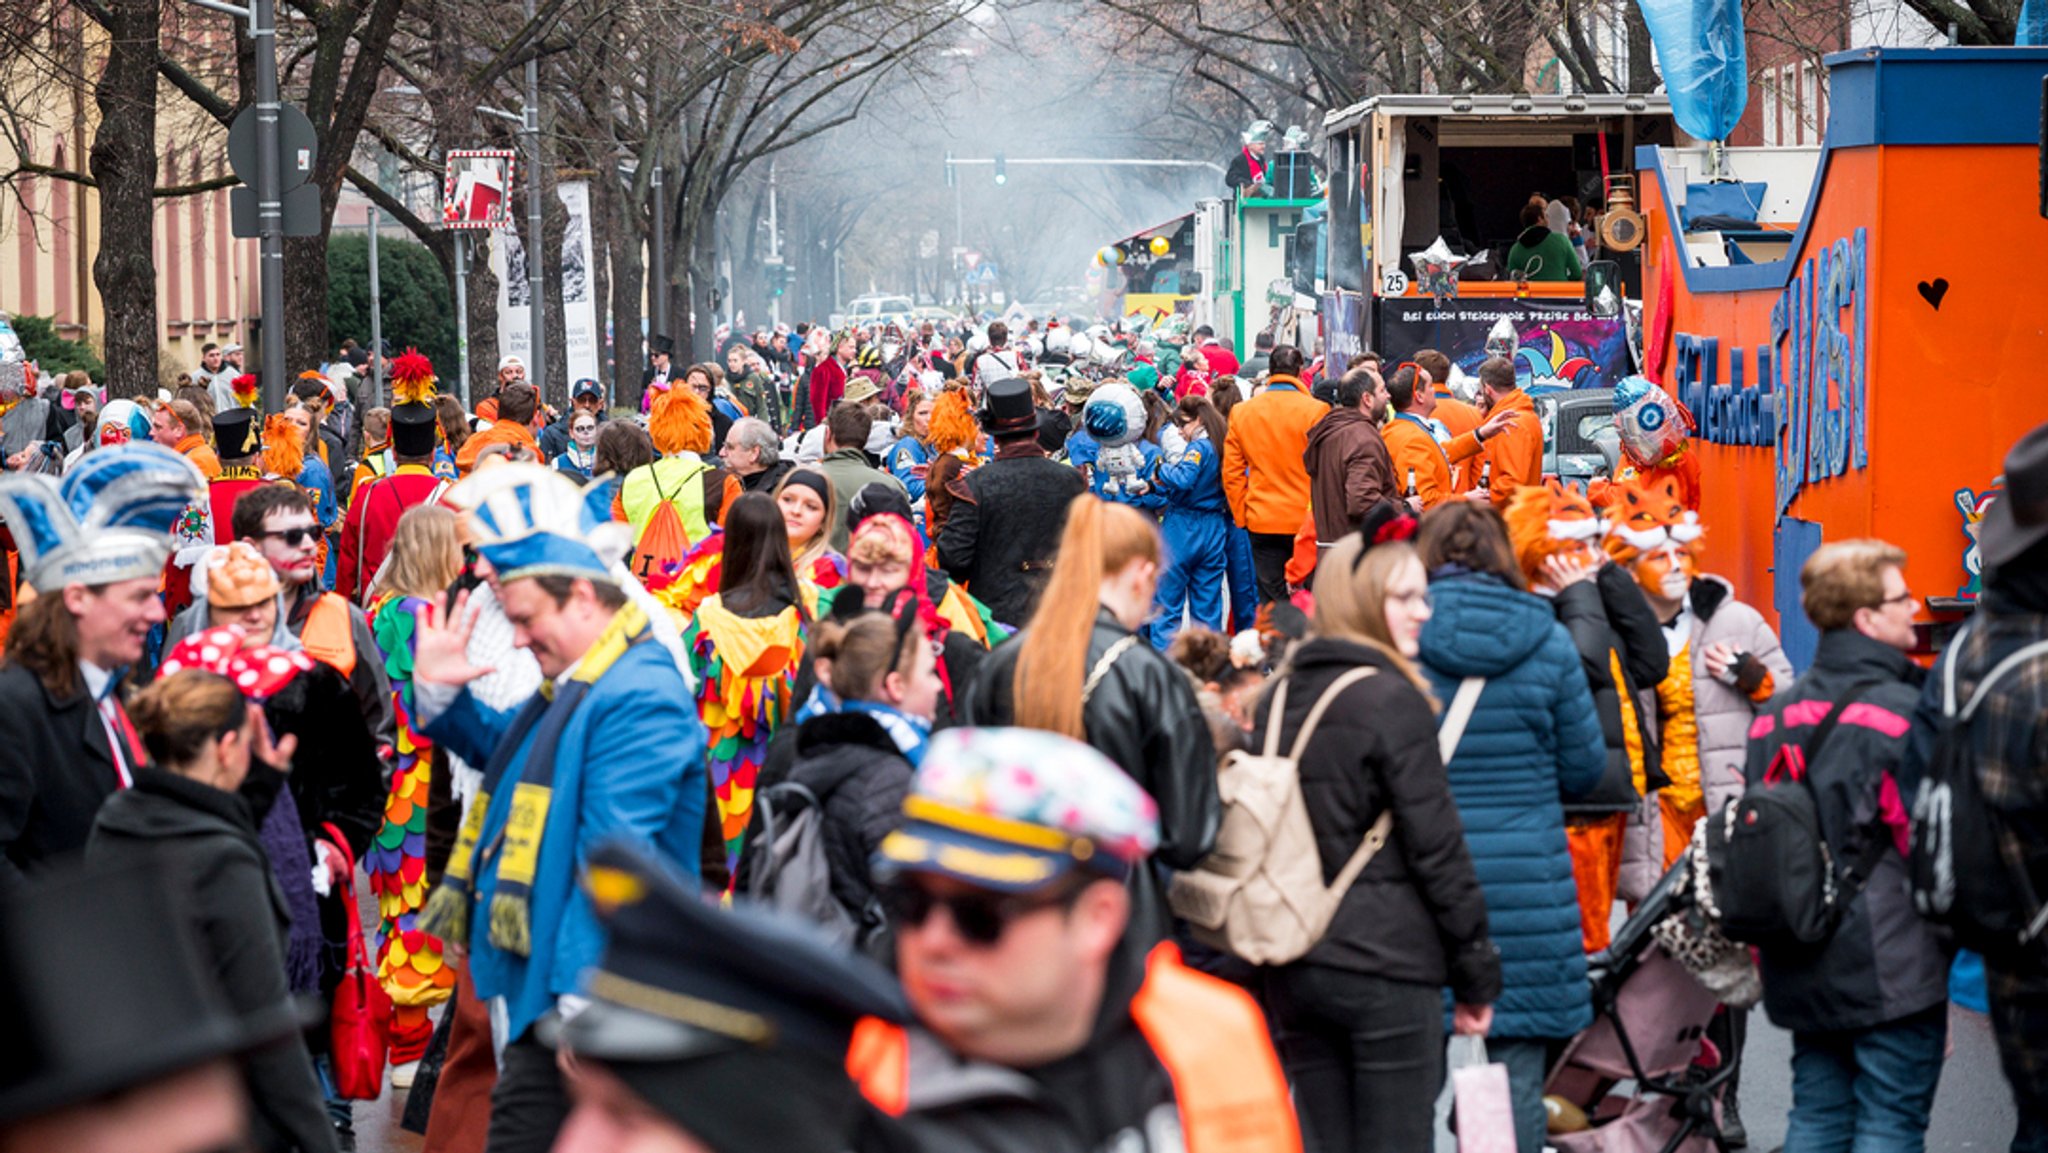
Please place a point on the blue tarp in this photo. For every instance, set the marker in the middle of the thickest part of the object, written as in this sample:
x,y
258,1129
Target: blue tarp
x,y
2033,29
1705,64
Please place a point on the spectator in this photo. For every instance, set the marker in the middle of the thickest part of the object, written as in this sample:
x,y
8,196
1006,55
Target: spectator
x,y
511,370
1415,440
1533,738
176,426
660,370
1264,477
213,375
747,377
999,361
826,383
586,399
1349,468
518,412
846,462
1867,1008
1254,367
1508,444
1539,252
576,461
754,454
1001,533
1359,1019
908,459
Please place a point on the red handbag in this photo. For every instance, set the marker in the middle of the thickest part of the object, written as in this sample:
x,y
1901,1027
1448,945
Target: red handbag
x,y
359,1031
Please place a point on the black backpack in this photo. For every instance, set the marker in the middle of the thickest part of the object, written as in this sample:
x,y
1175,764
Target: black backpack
x,y
1769,864
786,866
1962,879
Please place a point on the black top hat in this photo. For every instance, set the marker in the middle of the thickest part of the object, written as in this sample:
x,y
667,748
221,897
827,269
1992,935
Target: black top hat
x,y
733,1023
2018,518
661,346
102,989
235,432
1008,410
412,430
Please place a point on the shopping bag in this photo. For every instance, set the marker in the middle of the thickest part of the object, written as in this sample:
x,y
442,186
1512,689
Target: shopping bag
x,y
1485,1117
359,1029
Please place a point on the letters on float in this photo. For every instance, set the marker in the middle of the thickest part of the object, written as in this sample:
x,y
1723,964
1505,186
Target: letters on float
x,y
1811,379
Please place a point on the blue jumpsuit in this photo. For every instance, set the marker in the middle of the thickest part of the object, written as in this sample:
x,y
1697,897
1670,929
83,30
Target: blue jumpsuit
x,y
907,461
1083,453
1198,532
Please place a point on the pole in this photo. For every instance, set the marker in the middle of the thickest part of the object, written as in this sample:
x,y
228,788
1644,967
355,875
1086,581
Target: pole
x,y
959,239
774,248
837,299
536,245
659,327
269,201
376,315
462,316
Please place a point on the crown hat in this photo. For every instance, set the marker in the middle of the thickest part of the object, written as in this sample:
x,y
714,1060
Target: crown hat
x,y
531,521
109,519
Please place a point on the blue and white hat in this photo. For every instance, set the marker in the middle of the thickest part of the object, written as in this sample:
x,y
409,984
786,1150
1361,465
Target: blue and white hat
x,y
109,519
530,520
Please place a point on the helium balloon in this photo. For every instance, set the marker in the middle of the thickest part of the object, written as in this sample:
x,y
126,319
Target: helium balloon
x,y
1650,424
1160,246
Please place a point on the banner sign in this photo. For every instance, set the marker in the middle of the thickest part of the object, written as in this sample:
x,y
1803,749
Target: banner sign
x,y
1344,334
579,306
1562,345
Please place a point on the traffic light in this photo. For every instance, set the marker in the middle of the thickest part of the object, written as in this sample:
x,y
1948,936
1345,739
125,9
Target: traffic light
x,y
780,278
1002,173
951,176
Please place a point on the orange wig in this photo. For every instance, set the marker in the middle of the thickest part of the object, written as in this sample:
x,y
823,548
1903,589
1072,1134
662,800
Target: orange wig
x,y
680,422
1551,519
284,449
953,426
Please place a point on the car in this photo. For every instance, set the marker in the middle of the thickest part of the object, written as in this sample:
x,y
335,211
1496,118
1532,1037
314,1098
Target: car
x,y
878,308
1579,440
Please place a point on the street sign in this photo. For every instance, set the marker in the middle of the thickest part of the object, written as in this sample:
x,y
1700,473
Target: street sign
x,y
476,188
298,147
301,211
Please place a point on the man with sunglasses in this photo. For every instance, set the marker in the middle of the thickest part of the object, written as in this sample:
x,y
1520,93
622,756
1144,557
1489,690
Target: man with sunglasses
x,y
278,520
1039,1027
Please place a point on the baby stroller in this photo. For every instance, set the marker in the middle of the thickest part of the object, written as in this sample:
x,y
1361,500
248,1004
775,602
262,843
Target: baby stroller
x,y
1634,1071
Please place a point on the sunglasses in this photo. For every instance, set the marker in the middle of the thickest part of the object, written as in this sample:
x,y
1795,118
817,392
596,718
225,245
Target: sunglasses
x,y
293,537
980,918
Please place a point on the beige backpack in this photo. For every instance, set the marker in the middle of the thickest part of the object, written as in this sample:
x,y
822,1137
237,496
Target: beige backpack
x,y
1260,894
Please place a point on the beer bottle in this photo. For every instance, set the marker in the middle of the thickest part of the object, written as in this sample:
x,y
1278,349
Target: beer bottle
x,y
1410,494
1486,477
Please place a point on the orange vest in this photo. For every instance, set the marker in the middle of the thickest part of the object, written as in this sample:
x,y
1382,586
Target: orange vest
x,y
327,636
1208,1034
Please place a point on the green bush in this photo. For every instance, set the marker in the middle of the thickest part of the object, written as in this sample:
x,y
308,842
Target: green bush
x,y
56,355
418,303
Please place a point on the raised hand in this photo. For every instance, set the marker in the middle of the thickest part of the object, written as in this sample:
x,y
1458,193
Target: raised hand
x,y
441,644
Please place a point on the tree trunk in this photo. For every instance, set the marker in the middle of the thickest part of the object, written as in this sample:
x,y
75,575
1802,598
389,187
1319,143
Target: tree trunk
x,y
1642,63
124,164
629,280
484,348
305,301
603,203
699,318
554,219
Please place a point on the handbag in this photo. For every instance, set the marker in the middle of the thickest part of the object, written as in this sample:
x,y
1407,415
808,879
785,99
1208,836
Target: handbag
x,y
359,1030
1475,1112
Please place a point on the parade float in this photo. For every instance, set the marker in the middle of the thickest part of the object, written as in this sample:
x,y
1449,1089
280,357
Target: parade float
x,y
1856,329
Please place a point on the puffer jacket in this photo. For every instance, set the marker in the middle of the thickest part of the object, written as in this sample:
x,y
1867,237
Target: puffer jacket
x,y
1610,622
1144,716
1533,737
1883,962
849,763
1415,913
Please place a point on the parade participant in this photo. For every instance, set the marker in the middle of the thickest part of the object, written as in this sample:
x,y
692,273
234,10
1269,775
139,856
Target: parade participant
x,y
1622,652
747,380
708,382
606,749
827,381
93,550
518,411
1041,1022
856,760
315,394
1415,441
1540,254
1003,527
1081,670
1197,528
143,1058
1349,468
83,398
1457,416
190,814
425,559
577,461
1359,1019
240,444
511,370
671,503
753,453
1655,432
956,444
1868,1006
31,431
660,371
1505,451
846,434
745,642
998,361
586,399
1247,172
1533,737
714,1031
376,459
453,426
377,505
287,456
1263,475
176,426
910,458
278,520
1112,446
805,501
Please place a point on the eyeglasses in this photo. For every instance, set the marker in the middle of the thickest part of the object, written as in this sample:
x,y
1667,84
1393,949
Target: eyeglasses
x,y
293,537
980,918
1903,598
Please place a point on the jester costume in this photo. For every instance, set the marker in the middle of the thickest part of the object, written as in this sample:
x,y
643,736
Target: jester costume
x,y
699,575
745,669
409,962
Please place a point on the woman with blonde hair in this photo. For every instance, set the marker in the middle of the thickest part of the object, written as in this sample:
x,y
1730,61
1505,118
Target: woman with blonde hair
x,y
1082,670
804,497
425,559
1358,1021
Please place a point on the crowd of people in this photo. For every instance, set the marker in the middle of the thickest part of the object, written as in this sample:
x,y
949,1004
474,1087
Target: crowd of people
x,y
817,750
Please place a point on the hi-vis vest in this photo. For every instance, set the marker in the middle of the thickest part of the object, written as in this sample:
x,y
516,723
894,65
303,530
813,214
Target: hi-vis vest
x,y
1208,1034
327,636
676,480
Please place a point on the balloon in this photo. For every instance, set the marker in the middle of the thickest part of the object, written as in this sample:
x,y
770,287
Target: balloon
x,y
1160,246
1109,255
1652,426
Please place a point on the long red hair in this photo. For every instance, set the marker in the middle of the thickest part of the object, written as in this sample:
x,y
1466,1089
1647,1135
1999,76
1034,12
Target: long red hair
x,y
1052,657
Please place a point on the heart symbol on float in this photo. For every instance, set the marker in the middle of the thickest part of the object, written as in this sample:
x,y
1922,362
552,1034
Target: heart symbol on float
x,y
1933,291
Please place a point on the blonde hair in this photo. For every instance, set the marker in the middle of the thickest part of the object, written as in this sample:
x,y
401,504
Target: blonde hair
x,y
1844,576
425,556
1351,598
1100,539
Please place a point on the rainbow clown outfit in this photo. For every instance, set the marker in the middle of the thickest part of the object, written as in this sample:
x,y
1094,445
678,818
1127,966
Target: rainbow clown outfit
x,y
608,750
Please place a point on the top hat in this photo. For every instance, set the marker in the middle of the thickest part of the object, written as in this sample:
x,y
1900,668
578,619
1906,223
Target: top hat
x,y
234,430
2018,519
1007,410
661,345
413,430
102,989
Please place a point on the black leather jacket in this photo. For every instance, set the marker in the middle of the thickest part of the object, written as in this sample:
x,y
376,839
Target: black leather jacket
x,y
1608,618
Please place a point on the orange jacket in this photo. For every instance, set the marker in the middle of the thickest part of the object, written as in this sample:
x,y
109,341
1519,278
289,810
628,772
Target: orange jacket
x,y
1209,1034
1460,418
503,432
1416,452
1263,476
201,454
1515,453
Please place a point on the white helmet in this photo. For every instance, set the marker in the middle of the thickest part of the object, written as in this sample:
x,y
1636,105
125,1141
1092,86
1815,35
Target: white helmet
x,y
1058,338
